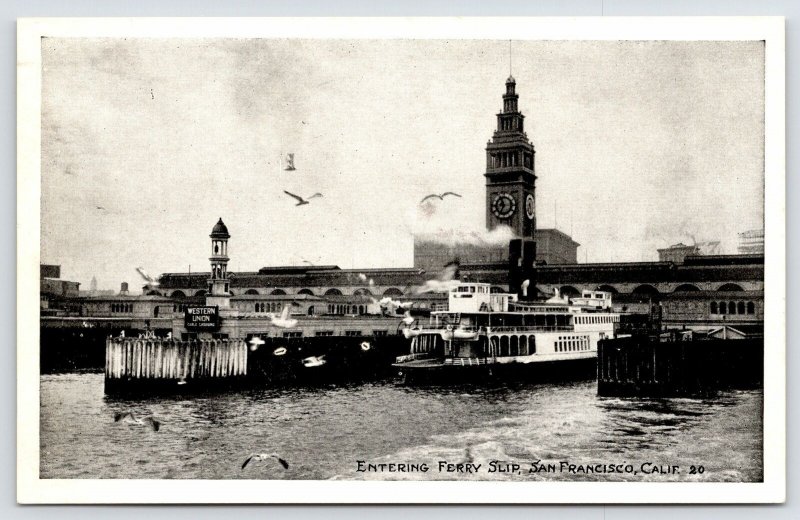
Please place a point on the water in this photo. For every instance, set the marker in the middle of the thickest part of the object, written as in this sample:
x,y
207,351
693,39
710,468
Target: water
x,y
323,432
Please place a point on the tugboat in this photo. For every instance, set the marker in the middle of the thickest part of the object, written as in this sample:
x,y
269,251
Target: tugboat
x,y
493,335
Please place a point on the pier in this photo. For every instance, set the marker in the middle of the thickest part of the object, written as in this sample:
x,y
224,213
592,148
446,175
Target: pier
x,y
139,363
644,367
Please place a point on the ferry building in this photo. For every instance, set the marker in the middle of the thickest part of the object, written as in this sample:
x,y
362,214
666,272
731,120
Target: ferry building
x,y
695,292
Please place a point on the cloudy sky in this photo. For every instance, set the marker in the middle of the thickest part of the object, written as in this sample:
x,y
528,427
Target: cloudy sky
x,y
639,145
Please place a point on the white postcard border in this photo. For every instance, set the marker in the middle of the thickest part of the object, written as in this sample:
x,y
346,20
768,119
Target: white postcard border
x,y
32,489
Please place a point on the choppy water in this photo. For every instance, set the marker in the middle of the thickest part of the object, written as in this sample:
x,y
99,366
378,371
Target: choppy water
x,y
323,432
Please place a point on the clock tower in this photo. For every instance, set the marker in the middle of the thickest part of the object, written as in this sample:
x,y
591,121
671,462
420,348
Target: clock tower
x,y
510,174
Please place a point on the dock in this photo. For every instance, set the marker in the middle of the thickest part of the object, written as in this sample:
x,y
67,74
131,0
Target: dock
x,y
645,367
138,363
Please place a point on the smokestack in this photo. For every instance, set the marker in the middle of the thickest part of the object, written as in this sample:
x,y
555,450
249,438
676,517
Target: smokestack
x,y
522,267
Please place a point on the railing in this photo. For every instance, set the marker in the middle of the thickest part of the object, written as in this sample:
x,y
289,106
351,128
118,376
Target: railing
x,y
505,328
412,357
466,362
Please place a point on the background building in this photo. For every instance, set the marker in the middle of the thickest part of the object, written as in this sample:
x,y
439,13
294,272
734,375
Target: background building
x,y
752,242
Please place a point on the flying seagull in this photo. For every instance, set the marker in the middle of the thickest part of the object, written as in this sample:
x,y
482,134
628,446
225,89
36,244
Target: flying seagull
x,y
440,197
256,457
284,321
445,282
301,200
101,208
129,418
150,280
255,343
314,361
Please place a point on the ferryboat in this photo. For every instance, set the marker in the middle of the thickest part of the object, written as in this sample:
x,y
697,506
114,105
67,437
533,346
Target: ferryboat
x,y
494,335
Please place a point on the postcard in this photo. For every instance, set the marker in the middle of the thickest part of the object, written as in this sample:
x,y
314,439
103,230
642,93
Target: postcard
x,y
399,260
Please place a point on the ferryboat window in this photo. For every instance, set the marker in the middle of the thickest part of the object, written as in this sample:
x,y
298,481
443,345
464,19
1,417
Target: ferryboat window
x,y
740,307
293,334
379,333
352,333
321,333
751,308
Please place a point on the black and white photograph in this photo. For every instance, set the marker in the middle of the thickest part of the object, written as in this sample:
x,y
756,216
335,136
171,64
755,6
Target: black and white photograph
x,y
290,256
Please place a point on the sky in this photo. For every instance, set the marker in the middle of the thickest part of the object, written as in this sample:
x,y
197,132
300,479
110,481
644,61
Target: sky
x,y
146,143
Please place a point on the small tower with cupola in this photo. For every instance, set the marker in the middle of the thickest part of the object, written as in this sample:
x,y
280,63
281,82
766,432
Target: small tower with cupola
x,y
218,283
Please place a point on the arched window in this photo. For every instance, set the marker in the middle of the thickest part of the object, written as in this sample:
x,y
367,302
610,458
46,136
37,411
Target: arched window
x,y
645,289
723,308
495,346
687,287
503,345
361,309
251,292
713,307
607,288
310,310
731,308
393,292
306,291
751,308
333,292
514,346
278,292
523,345
740,307
178,295
155,311
362,292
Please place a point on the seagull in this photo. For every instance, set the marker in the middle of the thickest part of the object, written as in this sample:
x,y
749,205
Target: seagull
x,y
301,200
445,282
440,197
314,361
256,457
100,208
150,280
255,343
129,418
284,321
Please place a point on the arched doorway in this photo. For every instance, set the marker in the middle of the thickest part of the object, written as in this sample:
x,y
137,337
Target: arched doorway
x,y
569,291
646,290
333,292
608,288
730,287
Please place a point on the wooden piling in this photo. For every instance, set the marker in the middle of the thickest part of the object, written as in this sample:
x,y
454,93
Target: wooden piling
x,y
639,366
130,359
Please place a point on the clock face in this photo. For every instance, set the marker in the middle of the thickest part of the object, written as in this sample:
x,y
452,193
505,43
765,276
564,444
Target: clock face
x,y
503,205
530,207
